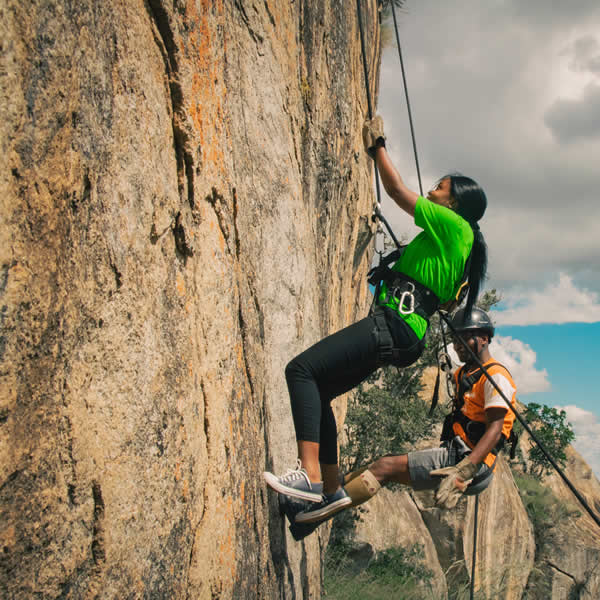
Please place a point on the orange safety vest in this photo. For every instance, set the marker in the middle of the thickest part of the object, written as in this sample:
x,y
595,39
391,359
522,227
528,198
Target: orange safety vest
x,y
468,418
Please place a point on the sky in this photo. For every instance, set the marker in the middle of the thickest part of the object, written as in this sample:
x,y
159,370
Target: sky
x,y
508,93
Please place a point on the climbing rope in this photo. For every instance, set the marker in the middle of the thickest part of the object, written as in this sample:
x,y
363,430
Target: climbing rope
x,y
475,517
377,208
412,129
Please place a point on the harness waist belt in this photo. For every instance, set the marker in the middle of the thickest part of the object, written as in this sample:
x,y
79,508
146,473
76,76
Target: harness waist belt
x,y
474,430
411,295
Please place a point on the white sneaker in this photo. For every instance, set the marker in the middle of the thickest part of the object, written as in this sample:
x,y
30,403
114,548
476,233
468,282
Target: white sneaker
x,y
295,483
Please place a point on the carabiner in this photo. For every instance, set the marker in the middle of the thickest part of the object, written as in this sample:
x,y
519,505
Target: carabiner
x,y
408,294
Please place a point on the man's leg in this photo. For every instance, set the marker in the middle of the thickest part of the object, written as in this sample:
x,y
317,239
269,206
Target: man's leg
x,y
363,484
391,468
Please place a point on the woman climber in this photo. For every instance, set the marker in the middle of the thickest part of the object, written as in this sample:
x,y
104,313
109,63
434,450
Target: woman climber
x,y
430,273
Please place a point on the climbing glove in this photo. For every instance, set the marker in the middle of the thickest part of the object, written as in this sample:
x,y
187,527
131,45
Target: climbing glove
x,y
454,483
373,136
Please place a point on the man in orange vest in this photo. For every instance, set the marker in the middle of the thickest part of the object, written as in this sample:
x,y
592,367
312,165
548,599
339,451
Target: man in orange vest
x,y
473,433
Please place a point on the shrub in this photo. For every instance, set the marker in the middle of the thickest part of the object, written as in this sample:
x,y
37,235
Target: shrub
x,y
544,509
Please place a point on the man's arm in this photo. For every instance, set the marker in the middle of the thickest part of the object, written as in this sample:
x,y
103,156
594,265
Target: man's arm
x,y
495,421
455,478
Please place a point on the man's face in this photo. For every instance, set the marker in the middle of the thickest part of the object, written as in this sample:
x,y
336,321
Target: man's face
x,y
475,340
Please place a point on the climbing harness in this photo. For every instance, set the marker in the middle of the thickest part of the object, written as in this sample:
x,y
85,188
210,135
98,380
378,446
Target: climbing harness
x,y
387,353
410,295
407,293
472,429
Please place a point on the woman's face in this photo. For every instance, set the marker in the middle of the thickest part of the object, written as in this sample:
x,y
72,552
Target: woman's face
x,y
441,194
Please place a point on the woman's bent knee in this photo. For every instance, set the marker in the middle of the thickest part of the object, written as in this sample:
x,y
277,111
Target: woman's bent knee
x,y
294,370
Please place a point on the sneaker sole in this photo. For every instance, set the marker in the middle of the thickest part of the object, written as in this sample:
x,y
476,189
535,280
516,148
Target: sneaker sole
x,y
274,483
323,513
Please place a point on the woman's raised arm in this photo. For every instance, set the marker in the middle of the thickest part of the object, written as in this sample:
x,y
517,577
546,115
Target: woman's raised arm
x,y
393,184
374,140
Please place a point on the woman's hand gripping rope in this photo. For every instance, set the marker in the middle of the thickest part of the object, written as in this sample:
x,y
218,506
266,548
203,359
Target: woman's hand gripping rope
x,y
373,136
455,482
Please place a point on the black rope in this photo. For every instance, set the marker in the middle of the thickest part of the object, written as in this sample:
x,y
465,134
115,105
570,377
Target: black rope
x,y
521,420
475,517
412,129
377,208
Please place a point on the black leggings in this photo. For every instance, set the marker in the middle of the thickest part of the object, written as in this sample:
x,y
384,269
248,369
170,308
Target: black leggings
x,y
334,366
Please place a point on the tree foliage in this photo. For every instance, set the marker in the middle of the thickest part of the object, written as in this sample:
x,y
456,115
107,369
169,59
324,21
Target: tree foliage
x,y
554,432
385,416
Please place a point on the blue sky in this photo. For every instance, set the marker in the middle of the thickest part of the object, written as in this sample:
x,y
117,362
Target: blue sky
x,y
563,375
569,355
508,93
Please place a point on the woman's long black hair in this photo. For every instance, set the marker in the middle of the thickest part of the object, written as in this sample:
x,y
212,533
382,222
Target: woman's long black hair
x,y
471,203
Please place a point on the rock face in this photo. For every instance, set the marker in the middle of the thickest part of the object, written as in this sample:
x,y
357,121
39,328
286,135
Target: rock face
x,y
391,519
183,190
570,558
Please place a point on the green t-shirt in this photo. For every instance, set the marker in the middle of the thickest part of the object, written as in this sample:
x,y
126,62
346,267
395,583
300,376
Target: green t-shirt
x,y
436,257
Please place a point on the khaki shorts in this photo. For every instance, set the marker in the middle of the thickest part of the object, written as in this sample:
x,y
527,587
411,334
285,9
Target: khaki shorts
x,y
421,462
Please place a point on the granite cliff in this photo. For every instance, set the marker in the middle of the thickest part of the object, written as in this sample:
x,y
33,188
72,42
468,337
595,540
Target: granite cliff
x,y
184,206
183,194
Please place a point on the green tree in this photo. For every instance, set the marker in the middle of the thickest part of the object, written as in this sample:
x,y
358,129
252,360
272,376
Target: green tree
x,y
385,416
554,432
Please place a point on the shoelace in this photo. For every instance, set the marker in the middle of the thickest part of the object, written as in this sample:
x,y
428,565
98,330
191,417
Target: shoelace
x,y
294,474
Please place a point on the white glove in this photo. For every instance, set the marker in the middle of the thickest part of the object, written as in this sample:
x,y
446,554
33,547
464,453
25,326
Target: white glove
x,y
454,483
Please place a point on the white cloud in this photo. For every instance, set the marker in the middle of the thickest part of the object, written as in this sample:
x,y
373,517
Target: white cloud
x,y
586,427
519,358
560,302
489,123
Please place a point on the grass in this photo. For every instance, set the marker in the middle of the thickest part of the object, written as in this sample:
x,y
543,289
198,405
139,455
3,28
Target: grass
x,y
395,573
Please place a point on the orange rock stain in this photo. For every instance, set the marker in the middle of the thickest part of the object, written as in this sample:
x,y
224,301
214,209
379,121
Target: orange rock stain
x,y
205,51
180,285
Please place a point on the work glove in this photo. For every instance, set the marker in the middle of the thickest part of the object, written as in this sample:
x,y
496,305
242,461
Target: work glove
x,y
454,483
373,136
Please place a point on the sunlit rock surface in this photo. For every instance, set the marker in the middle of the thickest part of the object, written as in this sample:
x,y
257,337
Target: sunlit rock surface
x,y
183,188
